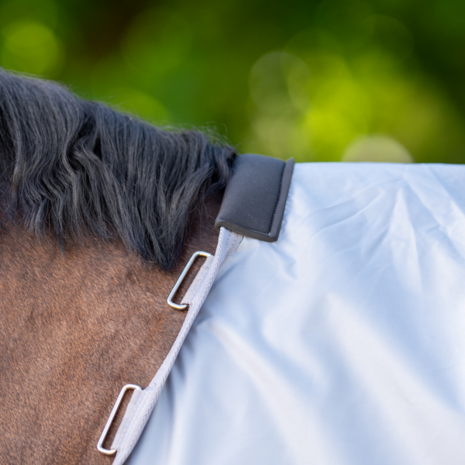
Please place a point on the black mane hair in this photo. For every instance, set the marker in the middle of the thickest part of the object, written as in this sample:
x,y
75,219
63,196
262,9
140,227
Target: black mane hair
x,y
72,167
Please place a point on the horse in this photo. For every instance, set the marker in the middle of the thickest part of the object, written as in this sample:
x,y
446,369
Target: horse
x,y
100,212
340,343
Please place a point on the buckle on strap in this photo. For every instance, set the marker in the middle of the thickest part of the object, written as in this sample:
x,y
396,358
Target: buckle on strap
x,y
111,418
181,278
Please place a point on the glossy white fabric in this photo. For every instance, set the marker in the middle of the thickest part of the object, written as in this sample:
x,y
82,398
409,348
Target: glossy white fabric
x,y
342,343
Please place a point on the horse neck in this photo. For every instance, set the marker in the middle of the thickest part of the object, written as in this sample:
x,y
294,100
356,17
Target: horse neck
x,y
74,329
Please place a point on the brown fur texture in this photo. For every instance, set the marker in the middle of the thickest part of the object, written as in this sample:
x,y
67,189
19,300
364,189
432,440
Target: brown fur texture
x,y
74,329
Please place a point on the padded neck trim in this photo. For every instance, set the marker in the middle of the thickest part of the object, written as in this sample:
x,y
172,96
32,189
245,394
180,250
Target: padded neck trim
x,y
255,197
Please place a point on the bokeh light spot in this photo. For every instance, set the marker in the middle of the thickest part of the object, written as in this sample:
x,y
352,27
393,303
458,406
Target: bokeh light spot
x,y
377,148
139,103
31,47
279,91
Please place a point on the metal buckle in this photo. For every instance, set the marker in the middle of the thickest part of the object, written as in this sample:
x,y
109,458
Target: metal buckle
x,y
181,278
111,418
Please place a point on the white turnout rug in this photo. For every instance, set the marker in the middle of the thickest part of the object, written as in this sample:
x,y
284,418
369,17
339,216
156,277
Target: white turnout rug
x,y
343,343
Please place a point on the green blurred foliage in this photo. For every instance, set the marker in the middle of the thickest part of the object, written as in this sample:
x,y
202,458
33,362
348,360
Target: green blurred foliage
x,y
323,80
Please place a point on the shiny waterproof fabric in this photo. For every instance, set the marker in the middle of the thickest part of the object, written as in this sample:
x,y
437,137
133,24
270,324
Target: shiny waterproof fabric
x,y
341,343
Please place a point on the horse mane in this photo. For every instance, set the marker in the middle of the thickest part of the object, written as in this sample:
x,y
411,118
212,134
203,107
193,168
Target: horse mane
x,y
71,168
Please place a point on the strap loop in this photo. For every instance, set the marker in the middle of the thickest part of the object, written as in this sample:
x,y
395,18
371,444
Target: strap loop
x,y
181,279
111,418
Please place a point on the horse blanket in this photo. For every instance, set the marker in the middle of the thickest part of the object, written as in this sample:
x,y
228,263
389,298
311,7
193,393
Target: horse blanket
x,y
343,343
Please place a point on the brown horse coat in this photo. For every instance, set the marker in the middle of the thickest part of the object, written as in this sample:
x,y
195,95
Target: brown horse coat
x,y
74,329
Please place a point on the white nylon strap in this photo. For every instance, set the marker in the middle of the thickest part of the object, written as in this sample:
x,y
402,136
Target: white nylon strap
x,y
142,403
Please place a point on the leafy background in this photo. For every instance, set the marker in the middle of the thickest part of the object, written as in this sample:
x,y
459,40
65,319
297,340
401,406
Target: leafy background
x,y
317,80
